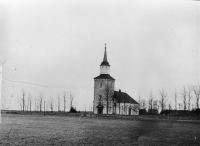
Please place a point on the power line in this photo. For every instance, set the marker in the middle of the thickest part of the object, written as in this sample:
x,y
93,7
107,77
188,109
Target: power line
x,y
4,62
30,83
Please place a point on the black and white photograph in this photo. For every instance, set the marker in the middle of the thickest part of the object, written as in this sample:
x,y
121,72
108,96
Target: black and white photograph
x,y
99,72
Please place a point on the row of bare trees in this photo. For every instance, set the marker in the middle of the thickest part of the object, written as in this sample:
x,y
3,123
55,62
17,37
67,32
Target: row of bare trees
x,y
183,100
26,102
25,105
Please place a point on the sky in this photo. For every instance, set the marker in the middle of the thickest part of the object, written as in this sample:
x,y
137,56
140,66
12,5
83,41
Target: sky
x,y
49,47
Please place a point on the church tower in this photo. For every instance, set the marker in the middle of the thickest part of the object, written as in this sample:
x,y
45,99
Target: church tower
x,y
103,84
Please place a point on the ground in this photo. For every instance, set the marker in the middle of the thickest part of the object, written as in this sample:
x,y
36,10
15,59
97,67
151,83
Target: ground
x,y
55,130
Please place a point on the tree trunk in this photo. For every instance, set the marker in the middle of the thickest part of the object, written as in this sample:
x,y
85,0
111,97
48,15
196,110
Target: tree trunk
x,y
119,108
107,108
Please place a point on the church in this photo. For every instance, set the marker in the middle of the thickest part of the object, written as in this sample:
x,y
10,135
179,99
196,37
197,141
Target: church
x,y
106,99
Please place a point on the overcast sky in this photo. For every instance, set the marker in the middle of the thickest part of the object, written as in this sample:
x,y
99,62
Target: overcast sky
x,y
52,46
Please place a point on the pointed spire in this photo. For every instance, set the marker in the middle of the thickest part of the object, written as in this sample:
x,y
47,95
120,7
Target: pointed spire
x,y
105,61
105,55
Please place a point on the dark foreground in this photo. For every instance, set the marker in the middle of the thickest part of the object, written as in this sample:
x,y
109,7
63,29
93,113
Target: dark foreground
x,y
54,130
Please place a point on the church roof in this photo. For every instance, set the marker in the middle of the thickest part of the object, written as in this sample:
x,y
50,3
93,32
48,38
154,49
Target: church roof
x,y
105,61
104,76
123,97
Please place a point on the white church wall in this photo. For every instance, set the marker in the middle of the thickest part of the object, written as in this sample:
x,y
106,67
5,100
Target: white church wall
x,y
104,70
121,111
125,111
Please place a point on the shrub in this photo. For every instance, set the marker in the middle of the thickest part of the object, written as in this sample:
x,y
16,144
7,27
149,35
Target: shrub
x,y
152,111
196,112
142,111
73,110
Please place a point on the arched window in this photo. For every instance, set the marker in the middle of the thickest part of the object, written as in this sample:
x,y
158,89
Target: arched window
x,y
100,85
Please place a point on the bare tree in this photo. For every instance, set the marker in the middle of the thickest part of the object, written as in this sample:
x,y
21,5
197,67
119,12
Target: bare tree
x,y
155,104
162,101
196,90
192,106
125,109
184,98
20,103
169,106
114,103
51,105
23,100
119,100
175,99
151,100
64,101
30,101
35,104
100,102
47,107
139,103
58,103
40,101
189,96
107,94
44,108
179,105
71,100
124,102
38,107
143,104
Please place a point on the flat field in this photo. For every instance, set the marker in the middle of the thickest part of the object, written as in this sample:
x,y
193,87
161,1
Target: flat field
x,y
54,130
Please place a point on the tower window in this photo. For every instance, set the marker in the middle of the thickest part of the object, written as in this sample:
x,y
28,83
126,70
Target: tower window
x,y
100,84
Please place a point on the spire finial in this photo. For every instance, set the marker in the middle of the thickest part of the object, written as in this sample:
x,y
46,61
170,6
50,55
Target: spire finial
x,y
105,54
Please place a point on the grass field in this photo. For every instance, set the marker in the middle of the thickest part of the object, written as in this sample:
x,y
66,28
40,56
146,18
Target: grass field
x,y
54,130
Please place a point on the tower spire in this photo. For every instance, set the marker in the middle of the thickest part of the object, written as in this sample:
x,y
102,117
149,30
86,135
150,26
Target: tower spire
x,y
105,61
105,55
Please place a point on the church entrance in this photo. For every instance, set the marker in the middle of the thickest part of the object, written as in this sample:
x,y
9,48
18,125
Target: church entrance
x,y
129,111
100,109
